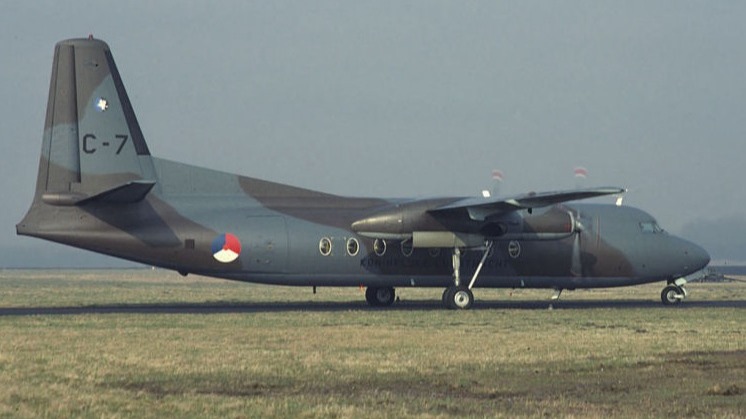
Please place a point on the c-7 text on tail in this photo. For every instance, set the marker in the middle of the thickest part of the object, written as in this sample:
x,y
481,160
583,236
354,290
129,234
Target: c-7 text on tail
x,y
100,189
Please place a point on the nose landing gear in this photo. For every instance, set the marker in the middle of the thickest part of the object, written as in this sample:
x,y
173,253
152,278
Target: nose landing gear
x,y
674,292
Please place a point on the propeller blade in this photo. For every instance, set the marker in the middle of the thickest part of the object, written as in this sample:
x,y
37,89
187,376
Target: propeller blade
x,y
577,264
576,267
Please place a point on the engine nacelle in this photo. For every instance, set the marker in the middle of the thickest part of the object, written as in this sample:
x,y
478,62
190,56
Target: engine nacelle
x,y
427,231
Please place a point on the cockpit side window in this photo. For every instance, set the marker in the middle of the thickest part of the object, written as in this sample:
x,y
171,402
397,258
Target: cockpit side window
x,y
650,227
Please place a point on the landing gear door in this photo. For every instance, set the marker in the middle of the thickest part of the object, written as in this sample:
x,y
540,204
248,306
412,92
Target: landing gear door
x,y
266,240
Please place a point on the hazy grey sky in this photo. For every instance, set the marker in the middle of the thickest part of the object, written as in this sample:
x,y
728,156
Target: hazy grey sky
x,y
415,98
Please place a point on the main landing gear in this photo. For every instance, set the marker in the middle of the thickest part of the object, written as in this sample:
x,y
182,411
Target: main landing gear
x,y
458,296
674,292
380,296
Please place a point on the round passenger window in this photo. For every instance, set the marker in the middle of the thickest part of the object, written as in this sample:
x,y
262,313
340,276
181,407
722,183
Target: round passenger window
x,y
325,246
379,246
352,246
407,248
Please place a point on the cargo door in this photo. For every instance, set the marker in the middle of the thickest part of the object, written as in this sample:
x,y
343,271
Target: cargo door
x,y
266,244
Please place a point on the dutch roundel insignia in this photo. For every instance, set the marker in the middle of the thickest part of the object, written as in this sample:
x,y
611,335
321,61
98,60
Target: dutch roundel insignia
x,y
226,248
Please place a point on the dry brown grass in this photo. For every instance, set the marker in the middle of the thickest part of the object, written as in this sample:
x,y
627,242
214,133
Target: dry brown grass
x,y
258,351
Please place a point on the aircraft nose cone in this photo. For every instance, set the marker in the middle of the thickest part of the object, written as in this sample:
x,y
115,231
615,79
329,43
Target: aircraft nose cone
x,y
673,257
697,257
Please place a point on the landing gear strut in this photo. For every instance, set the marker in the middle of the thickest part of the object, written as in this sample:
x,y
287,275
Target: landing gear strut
x,y
674,292
458,296
380,297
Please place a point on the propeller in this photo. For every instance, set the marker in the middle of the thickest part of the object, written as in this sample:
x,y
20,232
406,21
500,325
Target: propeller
x,y
497,180
581,173
576,267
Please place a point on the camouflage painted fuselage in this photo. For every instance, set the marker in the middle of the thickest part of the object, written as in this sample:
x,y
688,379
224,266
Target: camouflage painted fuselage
x,y
100,189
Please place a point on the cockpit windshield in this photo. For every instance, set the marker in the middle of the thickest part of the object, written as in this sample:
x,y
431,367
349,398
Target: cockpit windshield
x,y
651,227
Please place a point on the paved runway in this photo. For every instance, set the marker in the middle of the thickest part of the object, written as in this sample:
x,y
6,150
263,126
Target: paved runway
x,y
218,308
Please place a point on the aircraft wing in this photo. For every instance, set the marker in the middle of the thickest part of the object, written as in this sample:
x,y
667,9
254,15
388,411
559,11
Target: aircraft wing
x,y
481,208
462,216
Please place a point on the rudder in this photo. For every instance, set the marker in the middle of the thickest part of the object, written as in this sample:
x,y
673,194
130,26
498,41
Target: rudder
x,y
92,141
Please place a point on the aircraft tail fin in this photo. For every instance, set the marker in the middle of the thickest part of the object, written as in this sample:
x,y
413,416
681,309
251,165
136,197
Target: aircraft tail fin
x,y
93,148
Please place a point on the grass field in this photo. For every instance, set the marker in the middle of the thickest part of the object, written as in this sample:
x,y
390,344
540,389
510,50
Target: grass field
x,y
141,343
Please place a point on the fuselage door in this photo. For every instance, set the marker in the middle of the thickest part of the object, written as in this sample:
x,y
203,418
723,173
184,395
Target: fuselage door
x,y
266,239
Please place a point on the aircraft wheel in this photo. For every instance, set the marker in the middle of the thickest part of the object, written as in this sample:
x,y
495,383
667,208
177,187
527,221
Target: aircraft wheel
x,y
671,295
445,296
459,298
379,297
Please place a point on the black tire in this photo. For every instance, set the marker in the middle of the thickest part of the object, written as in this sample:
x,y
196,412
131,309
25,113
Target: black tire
x,y
459,298
380,296
444,298
670,294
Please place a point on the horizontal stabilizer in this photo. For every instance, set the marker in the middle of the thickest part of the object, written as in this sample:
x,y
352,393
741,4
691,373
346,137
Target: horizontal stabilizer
x,y
481,208
128,193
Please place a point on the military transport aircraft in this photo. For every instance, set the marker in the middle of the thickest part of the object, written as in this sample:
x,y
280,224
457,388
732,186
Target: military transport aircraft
x,y
100,189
